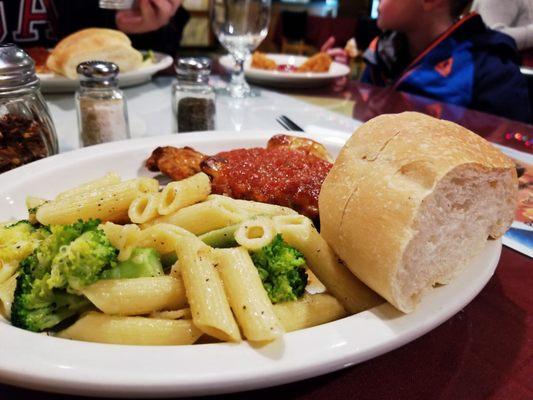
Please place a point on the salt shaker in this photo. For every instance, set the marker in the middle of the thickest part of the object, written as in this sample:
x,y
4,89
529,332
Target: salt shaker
x,y
193,99
27,132
102,112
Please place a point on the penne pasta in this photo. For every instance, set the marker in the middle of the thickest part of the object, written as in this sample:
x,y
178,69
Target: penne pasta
x,y
32,204
203,217
175,196
109,203
314,286
247,296
213,287
162,237
184,313
7,291
111,178
180,194
299,232
175,270
102,328
144,208
254,207
310,310
255,233
137,296
209,306
123,237
7,270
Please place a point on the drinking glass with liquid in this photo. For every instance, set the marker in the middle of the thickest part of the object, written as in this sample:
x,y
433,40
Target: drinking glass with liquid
x,y
240,26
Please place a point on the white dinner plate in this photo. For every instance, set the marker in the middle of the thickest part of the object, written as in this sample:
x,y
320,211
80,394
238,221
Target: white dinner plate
x,y
47,363
288,79
53,83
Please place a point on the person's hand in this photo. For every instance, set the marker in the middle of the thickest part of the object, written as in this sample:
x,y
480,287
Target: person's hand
x,y
150,16
338,54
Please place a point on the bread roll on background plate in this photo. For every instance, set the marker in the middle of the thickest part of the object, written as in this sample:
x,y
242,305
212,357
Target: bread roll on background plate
x,y
411,200
93,44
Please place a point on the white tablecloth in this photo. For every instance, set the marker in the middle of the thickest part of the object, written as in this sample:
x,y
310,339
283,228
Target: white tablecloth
x,y
149,109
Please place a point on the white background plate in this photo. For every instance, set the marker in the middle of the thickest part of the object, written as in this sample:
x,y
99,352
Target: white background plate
x,y
52,83
47,363
288,79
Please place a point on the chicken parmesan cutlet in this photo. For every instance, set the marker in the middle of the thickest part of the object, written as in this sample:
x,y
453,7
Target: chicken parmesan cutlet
x,y
288,172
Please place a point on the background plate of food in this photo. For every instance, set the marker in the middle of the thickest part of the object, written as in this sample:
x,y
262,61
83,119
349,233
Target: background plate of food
x,y
57,67
317,347
283,70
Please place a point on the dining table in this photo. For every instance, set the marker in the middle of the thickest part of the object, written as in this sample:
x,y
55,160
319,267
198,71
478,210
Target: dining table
x,y
485,351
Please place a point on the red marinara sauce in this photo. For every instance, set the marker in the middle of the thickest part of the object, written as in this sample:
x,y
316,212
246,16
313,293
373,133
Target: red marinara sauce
x,y
282,176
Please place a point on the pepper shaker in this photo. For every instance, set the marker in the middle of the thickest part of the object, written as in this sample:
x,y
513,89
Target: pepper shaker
x,y
102,111
27,132
193,99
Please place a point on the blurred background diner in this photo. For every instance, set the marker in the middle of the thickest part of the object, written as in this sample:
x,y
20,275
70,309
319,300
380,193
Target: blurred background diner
x,y
153,24
451,59
452,56
76,73
512,17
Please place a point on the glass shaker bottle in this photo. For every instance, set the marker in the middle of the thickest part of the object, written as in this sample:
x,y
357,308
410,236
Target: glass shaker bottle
x,y
102,112
27,132
193,99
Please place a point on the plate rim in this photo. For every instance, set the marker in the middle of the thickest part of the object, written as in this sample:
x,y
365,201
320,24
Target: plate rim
x,y
61,380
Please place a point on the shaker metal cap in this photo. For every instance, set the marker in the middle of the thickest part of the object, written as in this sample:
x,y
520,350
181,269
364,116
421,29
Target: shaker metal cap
x,y
193,68
17,69
98,73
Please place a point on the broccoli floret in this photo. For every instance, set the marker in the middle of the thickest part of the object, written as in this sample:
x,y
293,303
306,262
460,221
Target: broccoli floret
x,y
71,257
36,307
143,262
19,240
80,263
281,269
22,222
149,55
61,235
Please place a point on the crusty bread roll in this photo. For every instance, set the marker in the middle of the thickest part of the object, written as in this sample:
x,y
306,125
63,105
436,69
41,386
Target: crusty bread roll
x,y
93,44
411,200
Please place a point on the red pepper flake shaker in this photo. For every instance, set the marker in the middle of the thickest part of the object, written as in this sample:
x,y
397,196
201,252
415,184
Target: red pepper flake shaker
x,y
27,132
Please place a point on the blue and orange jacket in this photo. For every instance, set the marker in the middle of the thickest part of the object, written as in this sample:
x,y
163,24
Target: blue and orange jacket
x,y
469,65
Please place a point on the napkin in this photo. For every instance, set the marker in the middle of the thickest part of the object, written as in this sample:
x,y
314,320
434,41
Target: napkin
x,y
520,236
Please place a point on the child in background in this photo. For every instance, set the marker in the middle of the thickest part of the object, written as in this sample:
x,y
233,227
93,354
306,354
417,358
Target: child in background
x,y
427,49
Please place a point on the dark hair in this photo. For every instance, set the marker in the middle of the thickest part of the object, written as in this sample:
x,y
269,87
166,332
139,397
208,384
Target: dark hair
x,y
457,7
